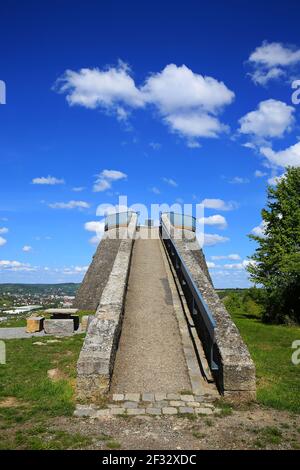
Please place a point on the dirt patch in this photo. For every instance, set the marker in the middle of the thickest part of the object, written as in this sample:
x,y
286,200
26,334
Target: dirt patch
x,y
255,428
55,375
10,402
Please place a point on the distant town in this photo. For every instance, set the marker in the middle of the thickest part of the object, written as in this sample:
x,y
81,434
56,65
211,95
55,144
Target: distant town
x,y
23,298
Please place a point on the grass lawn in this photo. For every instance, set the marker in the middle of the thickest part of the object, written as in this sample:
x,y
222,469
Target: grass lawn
x,y
29,397
278,380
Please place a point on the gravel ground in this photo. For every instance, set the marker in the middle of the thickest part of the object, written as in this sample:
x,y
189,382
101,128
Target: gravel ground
x,y
254,428
150,356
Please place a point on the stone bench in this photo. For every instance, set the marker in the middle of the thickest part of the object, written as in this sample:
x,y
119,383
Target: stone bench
x,y
34,324
59,327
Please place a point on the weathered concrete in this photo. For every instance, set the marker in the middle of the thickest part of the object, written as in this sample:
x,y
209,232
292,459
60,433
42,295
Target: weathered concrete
x,y
59,327
97,357
150,355
89,293
236,375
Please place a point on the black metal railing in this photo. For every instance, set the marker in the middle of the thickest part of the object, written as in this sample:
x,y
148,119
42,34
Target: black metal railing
x,y
202,317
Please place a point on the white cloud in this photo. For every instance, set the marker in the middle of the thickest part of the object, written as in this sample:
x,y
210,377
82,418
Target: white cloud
x,y
210,264
155,145
211,239
26,248
219,204
50,180
170,182
15,266
112,89
288,157
74,270
78,189
106,178
3,229
239,180
272,118
155,190
259,230
275,179
259,174
217,219
186,101
271,60
242,265
232,256
2,241
98,228
70,205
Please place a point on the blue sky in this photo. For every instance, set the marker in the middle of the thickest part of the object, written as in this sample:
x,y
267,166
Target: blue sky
x,y
160,101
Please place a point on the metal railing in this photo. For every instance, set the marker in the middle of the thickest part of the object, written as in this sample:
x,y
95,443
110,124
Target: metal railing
x,y
117,219
182,221
202,317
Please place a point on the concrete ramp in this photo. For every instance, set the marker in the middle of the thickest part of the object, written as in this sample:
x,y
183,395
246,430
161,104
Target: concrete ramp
x,y
150,356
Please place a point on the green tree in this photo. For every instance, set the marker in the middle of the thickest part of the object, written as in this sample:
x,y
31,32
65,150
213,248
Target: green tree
x,y
276,262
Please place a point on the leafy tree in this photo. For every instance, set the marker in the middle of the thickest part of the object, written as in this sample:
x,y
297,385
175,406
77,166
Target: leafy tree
x,y
276,262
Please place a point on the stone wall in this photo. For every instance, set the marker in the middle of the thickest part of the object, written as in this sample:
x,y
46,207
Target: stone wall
x,y
96,277
96,359
236,375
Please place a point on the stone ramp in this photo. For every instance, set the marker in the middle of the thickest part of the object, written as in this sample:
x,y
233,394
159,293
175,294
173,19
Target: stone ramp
x,y
150,355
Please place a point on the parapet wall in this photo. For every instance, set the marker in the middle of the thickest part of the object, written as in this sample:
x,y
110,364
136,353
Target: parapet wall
x,y
236,375
97,357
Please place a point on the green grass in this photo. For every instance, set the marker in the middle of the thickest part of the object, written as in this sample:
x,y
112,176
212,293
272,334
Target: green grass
x,y
24,377
278,380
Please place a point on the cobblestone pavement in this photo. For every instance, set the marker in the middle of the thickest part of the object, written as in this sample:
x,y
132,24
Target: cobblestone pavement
x,y
134,404
150,356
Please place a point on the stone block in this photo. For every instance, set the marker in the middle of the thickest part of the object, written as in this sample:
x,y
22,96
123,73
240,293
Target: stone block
x,y
148,397
34,324
204,411
136,411
84,322
153,411
132,396
59,327
176,403
160,396
187,397
186,409
131,404
169,410
118,396
173,396
117,411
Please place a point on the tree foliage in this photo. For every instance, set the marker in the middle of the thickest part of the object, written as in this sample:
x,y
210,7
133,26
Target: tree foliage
x,y
276,262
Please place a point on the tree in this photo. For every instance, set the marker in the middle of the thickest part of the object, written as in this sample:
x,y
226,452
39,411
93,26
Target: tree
x,y
276,262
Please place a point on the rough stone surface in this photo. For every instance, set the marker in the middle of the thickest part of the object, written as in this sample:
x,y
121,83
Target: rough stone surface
x,y
169,410
34,324
97,357
153,411
186,409
136,411
59,327
89,293
204,411
148,397
118,397
236,369
132,396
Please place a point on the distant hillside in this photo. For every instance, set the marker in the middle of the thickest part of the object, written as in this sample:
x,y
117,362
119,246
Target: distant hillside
x,y
69,288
